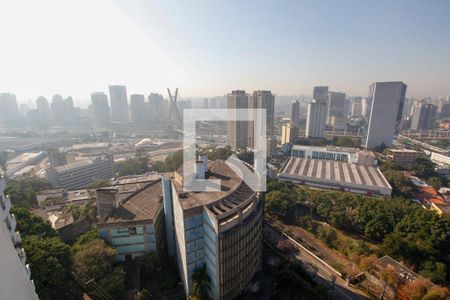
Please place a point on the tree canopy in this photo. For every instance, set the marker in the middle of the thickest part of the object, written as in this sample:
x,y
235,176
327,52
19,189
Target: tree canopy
x,y
49,260
29,224
404,229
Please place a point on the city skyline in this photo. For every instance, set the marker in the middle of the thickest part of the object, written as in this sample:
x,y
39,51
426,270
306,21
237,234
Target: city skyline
x,y
149,46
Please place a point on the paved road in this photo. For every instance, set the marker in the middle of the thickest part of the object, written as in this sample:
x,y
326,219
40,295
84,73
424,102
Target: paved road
x,y
323,274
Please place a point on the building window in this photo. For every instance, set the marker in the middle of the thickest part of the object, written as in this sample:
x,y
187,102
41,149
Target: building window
x,y
132,230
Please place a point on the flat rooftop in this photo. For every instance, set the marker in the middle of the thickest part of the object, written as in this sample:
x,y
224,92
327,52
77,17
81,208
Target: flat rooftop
x,y
142,206
327,171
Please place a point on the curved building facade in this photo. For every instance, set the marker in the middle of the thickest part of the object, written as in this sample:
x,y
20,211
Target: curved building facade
x,y
221,230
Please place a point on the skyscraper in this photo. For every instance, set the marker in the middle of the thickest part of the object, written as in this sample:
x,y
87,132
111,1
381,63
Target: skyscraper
x,y
44,114
70,110
237,131
424,116
9,111
315,119
385,105
265,100
58,110
316,114
100,108
138,109
119,103
159,108
336,106
356,107
295,113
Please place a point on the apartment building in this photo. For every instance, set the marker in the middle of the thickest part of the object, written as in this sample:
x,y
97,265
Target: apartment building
x,y
81,173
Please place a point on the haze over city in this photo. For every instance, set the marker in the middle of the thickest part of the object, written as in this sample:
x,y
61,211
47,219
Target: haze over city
x,y
208,48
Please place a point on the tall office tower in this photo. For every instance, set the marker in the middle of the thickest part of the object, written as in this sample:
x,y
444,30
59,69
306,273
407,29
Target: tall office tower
x,y
43,114
138,109
9,111
445,110
336,106
205,103
315,119
295,113
56,157
158,111
320,94
70,111
424,116
237,131
219,231
448,98
289,134
385,108
356,110
364,107
265,100
15,274
408,108
58,110
119,103
100,109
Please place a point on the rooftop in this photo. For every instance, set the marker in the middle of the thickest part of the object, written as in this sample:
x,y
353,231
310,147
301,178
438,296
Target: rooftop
x,y
78,164
326,148
233,191
403,151
141,206
334,171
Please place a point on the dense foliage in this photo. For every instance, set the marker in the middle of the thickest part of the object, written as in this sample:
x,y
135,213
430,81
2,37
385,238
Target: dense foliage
x,y
29,224
49,260
23,192
405,230
133,166
94,260
170,164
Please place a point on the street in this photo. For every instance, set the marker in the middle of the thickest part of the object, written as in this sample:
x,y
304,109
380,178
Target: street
x,y
321,271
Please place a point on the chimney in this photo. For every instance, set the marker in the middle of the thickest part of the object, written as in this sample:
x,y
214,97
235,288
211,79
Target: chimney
x,y
107,200
199,169
204,159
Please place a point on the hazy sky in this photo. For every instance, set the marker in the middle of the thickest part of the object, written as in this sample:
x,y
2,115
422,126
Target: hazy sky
x,y
210,47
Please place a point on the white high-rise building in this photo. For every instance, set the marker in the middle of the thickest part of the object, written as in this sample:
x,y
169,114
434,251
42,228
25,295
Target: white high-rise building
x,y
15,274
316,115
315,119
385,105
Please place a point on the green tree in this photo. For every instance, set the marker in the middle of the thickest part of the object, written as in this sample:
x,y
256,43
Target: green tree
x,y
149,263
99,183
49,261
29,224
93,259
201,283
23,192
435,182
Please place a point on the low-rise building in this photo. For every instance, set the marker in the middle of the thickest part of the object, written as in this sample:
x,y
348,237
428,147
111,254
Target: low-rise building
x,y
344,154
336,175
80,174
134,225
440,159
402,156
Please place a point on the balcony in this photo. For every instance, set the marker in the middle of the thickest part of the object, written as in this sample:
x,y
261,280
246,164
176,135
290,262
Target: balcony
x,y
16,239
28,271
11,224
22,255
5,206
